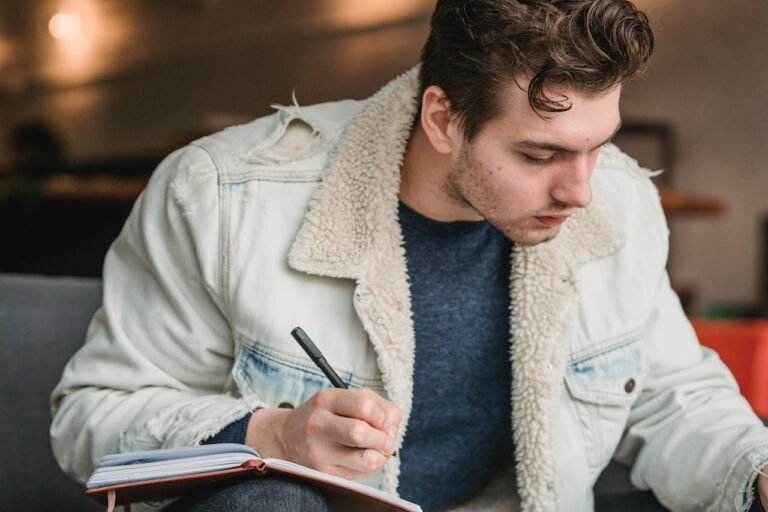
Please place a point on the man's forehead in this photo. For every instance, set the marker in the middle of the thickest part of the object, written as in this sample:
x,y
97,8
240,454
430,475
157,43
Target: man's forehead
x,y
513,95
590,117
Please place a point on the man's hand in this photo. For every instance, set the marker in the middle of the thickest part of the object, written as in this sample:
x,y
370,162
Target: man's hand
x,y
344,432
762,488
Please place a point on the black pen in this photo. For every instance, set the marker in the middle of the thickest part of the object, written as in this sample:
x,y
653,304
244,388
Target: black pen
x,y
318,358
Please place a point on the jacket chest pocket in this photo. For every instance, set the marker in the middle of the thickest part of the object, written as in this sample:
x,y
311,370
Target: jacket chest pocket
x,y
604,384
266,377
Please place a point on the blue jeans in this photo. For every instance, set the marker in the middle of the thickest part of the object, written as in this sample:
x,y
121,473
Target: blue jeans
x,y
262,494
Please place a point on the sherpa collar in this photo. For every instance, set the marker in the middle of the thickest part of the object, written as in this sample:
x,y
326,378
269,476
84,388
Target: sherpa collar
x,y
358,198
351,231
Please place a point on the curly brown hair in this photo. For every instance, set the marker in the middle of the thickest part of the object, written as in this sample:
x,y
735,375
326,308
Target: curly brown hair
x,y
476,47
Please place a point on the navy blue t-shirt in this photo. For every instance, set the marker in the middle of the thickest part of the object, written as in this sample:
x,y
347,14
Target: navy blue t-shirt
x,y
459,433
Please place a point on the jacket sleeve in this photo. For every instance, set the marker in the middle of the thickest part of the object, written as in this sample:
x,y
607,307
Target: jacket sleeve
x,y
691,437
155,369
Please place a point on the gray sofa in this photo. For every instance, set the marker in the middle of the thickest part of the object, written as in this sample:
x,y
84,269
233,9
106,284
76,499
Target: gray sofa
x,y
43,321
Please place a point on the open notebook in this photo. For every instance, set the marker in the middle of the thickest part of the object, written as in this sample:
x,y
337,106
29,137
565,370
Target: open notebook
x,y
154,475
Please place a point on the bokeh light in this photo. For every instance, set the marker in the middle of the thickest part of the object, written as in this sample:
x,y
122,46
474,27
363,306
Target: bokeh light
x,y
65,26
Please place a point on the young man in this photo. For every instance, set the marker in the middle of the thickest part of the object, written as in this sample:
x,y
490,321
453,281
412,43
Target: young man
x,y
470,214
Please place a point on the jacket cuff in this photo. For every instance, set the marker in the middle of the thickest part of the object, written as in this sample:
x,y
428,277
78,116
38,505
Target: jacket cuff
x,y
234,433
740,487
186,423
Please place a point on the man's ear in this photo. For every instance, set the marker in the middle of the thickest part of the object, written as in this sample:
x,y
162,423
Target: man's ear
x,y
437,121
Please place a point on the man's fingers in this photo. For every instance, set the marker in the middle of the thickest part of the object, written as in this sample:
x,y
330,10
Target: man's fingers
x,y
354,433
762,487
359,463
364,405
349,433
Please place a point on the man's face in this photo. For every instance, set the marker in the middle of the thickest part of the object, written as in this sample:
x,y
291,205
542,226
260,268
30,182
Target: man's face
x,y
526,175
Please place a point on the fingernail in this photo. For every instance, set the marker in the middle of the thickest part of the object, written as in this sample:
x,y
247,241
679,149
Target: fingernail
x,y
389,445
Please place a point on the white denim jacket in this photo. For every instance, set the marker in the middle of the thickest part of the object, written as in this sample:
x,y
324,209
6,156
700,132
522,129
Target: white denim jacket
x,y
292,220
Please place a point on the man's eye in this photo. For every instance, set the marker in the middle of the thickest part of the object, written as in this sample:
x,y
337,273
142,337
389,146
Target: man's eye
x,y
535,160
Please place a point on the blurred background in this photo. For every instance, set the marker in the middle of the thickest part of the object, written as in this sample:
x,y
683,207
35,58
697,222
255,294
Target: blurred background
x,y
93,94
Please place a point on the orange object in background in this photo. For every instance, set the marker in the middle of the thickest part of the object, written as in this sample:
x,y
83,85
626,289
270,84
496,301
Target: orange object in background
x,y
743,347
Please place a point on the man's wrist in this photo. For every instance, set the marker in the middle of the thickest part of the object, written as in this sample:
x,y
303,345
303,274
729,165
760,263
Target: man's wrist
x,y
263,432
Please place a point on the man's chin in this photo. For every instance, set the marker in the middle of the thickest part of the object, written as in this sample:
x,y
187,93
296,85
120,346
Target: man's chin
x,y
532,237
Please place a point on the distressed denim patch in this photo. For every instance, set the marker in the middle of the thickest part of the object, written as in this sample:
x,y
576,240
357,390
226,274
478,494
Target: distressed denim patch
x,y
274,381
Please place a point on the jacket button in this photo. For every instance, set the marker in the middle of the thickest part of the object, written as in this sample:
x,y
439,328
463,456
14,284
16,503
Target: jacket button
x,y
629,386
286,405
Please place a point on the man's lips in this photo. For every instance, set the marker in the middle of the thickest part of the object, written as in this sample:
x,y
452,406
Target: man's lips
x,y
552,220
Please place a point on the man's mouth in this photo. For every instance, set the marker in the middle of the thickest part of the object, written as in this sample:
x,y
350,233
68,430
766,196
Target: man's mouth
x,y
552,220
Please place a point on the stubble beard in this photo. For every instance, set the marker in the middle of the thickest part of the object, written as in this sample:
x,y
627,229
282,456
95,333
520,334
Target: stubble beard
x,y
465,186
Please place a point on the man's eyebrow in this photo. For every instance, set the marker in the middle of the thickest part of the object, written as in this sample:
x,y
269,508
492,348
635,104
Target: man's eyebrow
x,y
548,146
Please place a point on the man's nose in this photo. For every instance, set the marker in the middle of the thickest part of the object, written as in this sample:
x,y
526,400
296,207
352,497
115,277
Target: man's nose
x,y
573,186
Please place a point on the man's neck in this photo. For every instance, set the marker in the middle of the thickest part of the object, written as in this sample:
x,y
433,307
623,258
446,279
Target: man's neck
x,y
424,186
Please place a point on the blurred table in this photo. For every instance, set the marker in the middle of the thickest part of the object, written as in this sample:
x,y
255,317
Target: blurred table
x,y
93,188
677,202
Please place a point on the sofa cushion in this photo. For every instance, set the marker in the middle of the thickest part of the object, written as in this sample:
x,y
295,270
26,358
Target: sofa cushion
x,y
43,321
